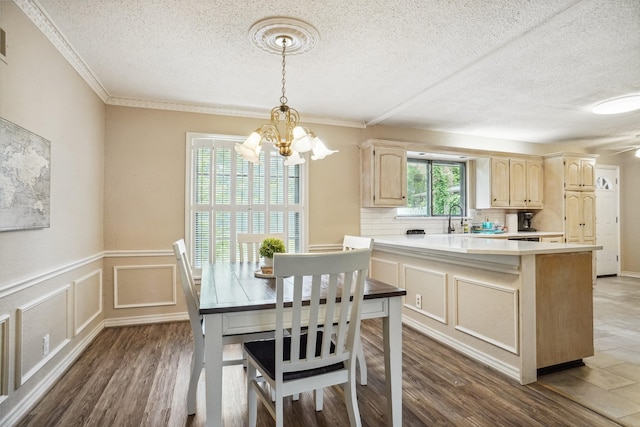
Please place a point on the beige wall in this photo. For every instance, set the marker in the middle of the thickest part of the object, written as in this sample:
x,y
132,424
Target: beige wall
x,y
629,209
117,203
50,279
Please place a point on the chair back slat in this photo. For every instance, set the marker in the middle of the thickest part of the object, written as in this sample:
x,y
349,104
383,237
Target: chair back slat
x,y
188,286
337,287
249,245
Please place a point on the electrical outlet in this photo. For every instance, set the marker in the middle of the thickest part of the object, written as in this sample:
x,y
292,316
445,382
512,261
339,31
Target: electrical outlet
x,y
45,345
419,301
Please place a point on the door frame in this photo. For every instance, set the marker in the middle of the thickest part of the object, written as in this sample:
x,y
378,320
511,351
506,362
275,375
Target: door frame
x,y
617,207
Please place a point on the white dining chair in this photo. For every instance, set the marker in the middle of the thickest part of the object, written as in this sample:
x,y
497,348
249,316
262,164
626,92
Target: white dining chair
x,y
192,299
303,356
249,243
350,243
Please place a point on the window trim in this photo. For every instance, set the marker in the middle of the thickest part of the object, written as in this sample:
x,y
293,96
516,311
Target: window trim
x,y
463,180
189,138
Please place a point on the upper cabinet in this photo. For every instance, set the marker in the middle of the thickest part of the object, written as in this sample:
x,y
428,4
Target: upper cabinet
x,y
383,172
569,203
509,183
579,174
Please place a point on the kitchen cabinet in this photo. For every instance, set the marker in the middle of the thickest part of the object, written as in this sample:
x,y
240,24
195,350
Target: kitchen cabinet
x,y
569,203
580,218
579,174
503,182
383,172
525,183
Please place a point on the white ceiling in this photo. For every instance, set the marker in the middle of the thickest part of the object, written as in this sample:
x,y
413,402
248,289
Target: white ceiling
x,y
528,70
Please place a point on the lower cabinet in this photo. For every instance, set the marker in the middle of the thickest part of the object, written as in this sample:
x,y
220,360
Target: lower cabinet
x,y
580,219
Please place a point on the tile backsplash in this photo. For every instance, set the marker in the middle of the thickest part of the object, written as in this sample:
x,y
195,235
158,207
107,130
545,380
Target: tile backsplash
x,y
384,221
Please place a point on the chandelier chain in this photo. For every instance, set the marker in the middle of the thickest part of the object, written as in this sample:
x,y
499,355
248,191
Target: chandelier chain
x,y
283,98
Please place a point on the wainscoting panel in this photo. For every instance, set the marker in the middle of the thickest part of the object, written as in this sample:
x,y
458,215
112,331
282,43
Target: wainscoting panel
x,y
44,328
385,271
87,305
4,357
431,286
144,285
487,312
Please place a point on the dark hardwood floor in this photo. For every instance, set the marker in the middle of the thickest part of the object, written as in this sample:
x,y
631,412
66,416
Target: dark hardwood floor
x,y
138,376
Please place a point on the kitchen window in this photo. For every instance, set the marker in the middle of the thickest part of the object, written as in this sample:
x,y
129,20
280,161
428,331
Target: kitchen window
x,y
434,188
227,195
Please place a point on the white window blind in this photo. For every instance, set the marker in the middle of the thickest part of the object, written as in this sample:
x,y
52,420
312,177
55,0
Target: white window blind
x,y
227,195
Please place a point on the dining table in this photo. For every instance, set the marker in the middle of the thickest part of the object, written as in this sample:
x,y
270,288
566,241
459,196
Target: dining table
x,y
235,298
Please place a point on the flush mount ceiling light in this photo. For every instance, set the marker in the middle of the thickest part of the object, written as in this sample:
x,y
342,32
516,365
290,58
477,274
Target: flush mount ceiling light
x,y
622,104
282,35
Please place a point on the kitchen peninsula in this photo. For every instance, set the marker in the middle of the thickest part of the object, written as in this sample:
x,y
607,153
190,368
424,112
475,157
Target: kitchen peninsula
x,y
517,306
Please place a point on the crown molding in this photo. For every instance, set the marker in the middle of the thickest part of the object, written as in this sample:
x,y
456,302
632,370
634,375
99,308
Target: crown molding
x,y
37,15
223,111
41,20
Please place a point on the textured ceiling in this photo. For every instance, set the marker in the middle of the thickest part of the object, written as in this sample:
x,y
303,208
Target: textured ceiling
x,y
514,69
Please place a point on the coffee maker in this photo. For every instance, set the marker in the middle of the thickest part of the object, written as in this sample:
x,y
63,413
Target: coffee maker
x,y
524,221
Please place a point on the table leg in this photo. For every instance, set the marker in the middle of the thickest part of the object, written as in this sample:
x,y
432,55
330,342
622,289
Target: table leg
x,y
213,368
392,333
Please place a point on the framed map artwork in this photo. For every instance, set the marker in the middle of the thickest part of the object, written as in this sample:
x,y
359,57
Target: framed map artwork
x,y
25,178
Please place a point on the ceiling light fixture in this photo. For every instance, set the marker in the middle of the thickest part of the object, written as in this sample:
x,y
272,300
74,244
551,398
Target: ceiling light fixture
x,y
284,131
622,104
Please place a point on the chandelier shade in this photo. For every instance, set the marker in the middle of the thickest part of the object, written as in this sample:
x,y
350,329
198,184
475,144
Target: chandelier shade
x,y
283,131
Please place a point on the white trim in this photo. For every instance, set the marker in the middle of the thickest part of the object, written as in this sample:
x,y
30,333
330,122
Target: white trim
x,y
618,237
76,283
483,358
5,322
324,248
24,283
21,408
21,377
44,23
630,274
476,334
145,320
138,253
173,301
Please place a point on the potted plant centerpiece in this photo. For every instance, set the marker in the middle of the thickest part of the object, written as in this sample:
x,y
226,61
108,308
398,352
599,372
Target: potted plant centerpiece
x,y
270,246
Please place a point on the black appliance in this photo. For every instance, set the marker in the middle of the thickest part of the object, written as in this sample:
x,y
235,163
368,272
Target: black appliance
x,y
524,221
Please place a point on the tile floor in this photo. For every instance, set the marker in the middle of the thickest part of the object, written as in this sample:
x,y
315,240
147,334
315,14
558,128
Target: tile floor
x,y
610,382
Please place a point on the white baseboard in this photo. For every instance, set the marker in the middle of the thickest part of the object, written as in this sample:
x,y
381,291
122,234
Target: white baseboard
x,y
145,320
510,371
630,274
23,407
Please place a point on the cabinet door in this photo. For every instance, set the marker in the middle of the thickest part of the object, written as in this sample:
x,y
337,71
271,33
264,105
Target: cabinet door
x,y
535,183
572,217
499,182
587,175
588,206
517,183
390,177
572,174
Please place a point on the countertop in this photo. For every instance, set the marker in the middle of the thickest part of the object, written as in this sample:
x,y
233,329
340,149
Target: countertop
x,y
479,245
517,234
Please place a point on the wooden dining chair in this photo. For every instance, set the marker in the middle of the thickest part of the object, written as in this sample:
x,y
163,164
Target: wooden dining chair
x,y
249,243
192,299
350,243
303,356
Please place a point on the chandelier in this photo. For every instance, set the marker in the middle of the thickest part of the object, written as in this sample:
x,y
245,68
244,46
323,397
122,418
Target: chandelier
x,y
284,131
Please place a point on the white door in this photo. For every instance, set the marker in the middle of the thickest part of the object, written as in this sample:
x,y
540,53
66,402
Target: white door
x,y
607,225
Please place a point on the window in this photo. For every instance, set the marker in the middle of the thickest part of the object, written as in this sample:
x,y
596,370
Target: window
x,y
227,195
434,188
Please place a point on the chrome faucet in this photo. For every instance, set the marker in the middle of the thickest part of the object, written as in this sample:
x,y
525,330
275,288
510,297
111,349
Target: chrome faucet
x,y
451,229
